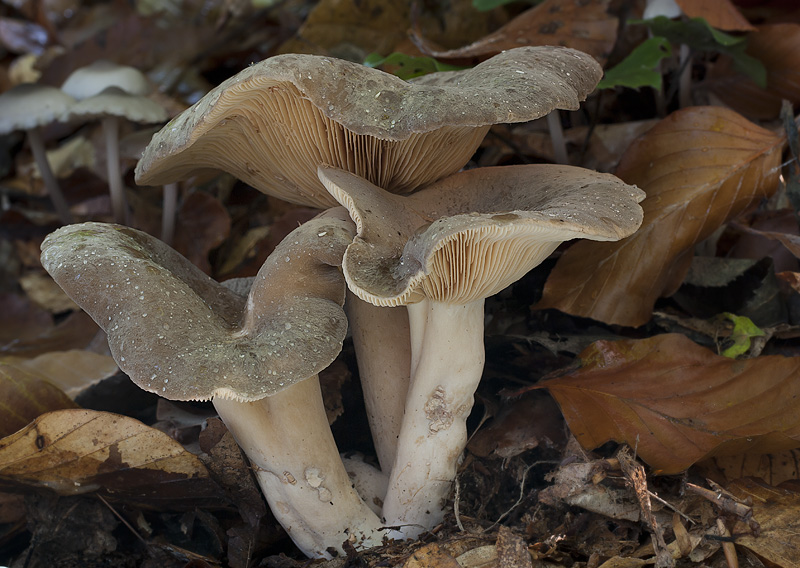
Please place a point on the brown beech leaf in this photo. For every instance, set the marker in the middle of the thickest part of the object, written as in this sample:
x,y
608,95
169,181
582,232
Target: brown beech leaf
x,y
777,46
580,24
700,167
720,14
24,395
678,403
78,451
777,511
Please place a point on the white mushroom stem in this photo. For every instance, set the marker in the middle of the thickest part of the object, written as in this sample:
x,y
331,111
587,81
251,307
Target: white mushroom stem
x,y
449,364
119,204
560,155
369,482
381,341
289,443
48,177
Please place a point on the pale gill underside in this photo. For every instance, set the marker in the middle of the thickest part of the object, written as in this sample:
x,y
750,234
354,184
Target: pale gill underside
x,y
273,138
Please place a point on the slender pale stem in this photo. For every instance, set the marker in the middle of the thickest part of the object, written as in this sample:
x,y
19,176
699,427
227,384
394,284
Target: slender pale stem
x,y
381,341
169,212
116,187
290,445
685,80
36,143
560,155
433,433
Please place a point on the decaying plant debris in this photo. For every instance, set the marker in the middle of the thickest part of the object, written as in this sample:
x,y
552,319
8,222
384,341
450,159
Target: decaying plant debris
x,y
638,402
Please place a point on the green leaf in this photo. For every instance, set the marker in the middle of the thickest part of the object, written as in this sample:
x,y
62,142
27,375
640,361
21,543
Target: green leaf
x,y
743,330
408,66
698,34
638,69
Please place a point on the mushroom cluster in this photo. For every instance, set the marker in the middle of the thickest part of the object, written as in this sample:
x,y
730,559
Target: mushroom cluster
x,y
411,243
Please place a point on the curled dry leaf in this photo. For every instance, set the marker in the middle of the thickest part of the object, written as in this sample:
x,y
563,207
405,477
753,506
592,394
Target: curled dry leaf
x,y
677,402
777,46
700,167
579,24
78,451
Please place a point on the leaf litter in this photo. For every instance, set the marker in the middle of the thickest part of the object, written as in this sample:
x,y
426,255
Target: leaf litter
x,y
531,491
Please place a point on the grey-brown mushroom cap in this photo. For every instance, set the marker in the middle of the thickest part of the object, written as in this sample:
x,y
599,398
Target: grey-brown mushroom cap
x,y
351,108
180,334
113,101
99,75
474,233
29,105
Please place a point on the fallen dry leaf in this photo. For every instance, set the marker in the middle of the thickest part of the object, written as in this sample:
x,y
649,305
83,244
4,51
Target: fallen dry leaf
x,y
77,331
24,395
777,511
787,237
71,371
431,556
203,225
700,167
720,14
777,46
772,468
678,403
21,319
78,451
351,29
581,24
513,432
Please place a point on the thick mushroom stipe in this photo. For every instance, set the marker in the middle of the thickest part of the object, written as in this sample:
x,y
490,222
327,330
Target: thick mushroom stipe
x,y
275,122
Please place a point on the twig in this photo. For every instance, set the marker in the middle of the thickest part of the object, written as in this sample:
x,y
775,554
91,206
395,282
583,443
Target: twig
x,y
122,519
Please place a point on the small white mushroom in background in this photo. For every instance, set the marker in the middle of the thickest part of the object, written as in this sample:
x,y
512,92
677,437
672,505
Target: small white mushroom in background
x,y
131,147
110,93
100,75
29,107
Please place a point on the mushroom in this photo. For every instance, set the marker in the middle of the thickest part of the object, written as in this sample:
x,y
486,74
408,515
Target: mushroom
x,y
180,334
101,74
275,122
29,107
441,251
272,124
111,106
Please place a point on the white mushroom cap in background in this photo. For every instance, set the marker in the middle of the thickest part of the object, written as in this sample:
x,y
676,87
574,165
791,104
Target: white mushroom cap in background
x,y
114,101
30,105
276,121
472,234
101,74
